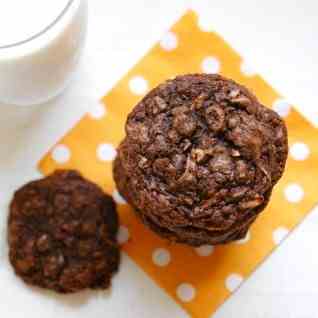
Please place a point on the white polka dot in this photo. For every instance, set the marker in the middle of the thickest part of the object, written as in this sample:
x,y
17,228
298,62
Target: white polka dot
x,y
118,198
247,69
97,111
138,85
279,234
294,193
186,292
233,281
169,41
161,257
61,154
123,235
205,250
205,23
282,107
106,152
299,151
210,65
245,239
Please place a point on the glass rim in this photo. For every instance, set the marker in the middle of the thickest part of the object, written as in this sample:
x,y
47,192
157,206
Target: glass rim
x,y
43,31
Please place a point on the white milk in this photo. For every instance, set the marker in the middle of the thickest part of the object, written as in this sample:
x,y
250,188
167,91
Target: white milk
x,y
40,45
20,20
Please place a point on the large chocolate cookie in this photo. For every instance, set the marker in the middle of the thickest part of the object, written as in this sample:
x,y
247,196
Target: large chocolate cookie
x,y
200,159
62,234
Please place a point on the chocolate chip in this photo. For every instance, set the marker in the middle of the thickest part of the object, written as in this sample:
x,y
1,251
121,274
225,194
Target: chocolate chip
x,y
198,155
189,175
221,163
143,163
159,106
233,121
184,124
43,243
174,136
179,161
199,101
238,192
234,93
52,265
215,117
138,132
242,170
164,168
186,144
251,204
235,153
244,102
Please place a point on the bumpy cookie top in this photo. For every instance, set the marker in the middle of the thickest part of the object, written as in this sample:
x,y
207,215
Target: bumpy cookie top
x,y
205,151
62,233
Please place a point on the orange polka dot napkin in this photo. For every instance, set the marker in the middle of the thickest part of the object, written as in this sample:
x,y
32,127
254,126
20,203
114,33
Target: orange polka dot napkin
x,y
199,279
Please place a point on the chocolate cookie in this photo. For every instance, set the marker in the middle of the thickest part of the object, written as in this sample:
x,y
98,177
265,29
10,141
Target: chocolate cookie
x,y
200,159
62,234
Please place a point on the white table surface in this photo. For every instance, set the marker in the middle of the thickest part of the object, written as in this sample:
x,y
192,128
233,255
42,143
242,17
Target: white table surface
x,y
279,38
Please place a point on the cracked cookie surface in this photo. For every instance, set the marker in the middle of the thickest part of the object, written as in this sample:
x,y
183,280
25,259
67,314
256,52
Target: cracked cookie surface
x,y
62,234
200,159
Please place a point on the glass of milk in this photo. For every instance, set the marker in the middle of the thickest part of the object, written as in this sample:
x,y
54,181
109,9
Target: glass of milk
x,y
40,46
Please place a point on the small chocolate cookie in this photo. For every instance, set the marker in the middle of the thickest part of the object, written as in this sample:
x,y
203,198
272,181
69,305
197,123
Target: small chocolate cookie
x,y
62,234
200,159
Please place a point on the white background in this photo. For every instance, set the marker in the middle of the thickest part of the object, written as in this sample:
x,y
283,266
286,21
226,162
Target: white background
x,y
279,38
